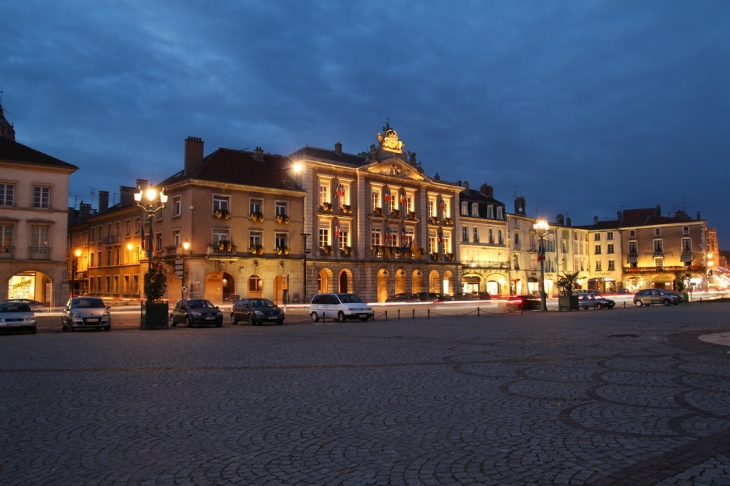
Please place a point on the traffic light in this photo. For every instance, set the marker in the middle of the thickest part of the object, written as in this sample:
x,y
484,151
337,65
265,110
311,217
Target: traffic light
x,y
75,265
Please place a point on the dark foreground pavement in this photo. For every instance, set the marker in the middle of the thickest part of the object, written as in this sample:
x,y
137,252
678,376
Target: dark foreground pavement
x,y
627,396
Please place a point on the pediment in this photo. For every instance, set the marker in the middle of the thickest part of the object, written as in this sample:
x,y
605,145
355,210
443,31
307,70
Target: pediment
x,y
395,167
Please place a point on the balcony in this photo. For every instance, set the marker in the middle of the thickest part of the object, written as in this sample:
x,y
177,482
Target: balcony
x,y
112,240
487,264
7,252
39,253
221,250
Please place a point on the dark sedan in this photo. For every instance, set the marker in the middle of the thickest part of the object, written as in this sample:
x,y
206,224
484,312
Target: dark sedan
x,y
523,302
256,311
403,298
196,312
35,306
591,301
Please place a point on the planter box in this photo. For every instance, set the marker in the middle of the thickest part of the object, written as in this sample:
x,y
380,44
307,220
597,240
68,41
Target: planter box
x,y
568,302
154,316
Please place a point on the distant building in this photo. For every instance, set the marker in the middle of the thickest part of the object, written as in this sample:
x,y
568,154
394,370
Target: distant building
x,y
33,221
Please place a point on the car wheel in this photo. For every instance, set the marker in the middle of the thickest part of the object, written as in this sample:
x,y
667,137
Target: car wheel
x,y
220,324
33,331
315,317
107,328
64,327
638,303
251,320
233,319
279,323
71,327
667,302
599,306
172,322
364,319
341,316
187,322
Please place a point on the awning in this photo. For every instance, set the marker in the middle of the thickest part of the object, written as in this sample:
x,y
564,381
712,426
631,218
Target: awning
x,y
633,259
687,257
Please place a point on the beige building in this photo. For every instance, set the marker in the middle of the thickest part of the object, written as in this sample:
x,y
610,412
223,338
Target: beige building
x,y
33,221
377,224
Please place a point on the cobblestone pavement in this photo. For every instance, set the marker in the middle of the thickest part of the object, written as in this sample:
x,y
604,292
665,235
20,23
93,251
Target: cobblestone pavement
x,y
622,396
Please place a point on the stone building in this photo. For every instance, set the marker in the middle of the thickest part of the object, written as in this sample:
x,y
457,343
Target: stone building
x,y
33,221
377,224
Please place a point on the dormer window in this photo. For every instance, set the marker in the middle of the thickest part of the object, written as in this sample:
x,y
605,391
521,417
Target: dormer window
x,y
499,212
475,209
464,208
490,212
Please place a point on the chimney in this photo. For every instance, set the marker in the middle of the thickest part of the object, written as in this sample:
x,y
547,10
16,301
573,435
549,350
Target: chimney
x,y
193,153
466,186
84,211
620,215
143,183
126,195
658,210
595,219
338,148
103,200
568,222
520,205
560,220
258,154
487,190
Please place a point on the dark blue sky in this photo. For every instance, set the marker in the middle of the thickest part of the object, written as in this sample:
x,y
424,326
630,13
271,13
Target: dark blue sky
x,y
582,107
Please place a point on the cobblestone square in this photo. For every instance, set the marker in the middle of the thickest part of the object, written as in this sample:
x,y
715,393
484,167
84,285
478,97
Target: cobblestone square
x,y
626,396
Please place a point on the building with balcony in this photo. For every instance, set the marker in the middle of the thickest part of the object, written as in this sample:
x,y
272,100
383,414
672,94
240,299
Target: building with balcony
x,y
484,240
33,221
377,224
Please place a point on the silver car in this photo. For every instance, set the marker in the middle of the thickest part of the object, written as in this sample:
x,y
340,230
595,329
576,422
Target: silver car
x,y
17,316
86,313
656,296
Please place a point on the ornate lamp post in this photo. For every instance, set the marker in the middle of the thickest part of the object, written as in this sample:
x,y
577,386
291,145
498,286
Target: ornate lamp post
x,y
541,229
299,169
154,314
74,269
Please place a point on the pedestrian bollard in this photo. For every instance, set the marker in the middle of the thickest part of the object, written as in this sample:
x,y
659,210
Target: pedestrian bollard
x,y
324,316
398,313
386,315
414,313
477,311
428,316
624,305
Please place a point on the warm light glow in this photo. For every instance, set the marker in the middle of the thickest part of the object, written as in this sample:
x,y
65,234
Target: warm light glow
x,y
129,246
151,194
77,253
163,197
298,166
709,255
186,245
138,195
709,264
541,227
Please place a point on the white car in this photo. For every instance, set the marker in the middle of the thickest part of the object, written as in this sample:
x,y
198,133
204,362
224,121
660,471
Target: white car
x,y
17,316
86,313
339,307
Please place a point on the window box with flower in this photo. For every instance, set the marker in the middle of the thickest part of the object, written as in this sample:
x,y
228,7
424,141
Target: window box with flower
x,y
346,208
326,250
224,245
395,213
222,214
257,216
282,218
282,250
434,219
347,250
326,206
412,215
434,256
449,257
449,221
256,250
378,211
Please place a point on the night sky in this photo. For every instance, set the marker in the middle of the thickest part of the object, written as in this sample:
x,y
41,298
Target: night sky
x,y
582,107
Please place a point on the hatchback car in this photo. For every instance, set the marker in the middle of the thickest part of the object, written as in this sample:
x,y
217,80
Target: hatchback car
x,y
594,301
403,298
17,316
195,312
86,313
656,296
523,302
340,307
462,297
256,311
35,306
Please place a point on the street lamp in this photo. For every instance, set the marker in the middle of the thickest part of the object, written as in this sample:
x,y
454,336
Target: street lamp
x,y
299,169
74,269
150,207
541,229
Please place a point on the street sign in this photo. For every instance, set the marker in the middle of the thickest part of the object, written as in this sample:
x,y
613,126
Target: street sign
x,y
184,289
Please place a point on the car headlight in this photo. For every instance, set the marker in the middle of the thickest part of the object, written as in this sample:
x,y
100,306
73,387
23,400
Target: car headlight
x,y
259,313
196,314
76,315
106,314
30,319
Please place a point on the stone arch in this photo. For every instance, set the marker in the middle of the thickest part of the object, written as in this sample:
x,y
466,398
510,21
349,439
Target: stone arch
x,y
494,284
345,281
434,282
417,281
255,286
401,282
219,286
383,285
325,281
471,283
448,283
35,285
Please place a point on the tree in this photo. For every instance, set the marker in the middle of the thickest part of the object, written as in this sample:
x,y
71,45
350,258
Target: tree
x,y
155,281
679,278
565,284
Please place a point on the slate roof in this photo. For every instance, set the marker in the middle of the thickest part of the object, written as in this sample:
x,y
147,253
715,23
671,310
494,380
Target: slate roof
x,y
12,151
633,218
478,196
329,155
230,166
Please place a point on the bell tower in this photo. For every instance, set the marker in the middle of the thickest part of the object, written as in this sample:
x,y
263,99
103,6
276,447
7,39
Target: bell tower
x,y
6,128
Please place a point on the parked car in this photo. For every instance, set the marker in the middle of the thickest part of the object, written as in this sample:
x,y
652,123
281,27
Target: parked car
x,y
591,301
523,302
340,307
434,297
196,312
403,298
17,316
85,313
256,311
482,296
35,306
462,297
656,296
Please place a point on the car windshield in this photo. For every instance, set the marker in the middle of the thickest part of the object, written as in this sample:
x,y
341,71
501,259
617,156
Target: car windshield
x,y
349,299
261,303
87,304
13,307
197,304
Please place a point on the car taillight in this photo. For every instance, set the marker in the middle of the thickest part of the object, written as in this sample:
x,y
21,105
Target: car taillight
x,y
518,301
